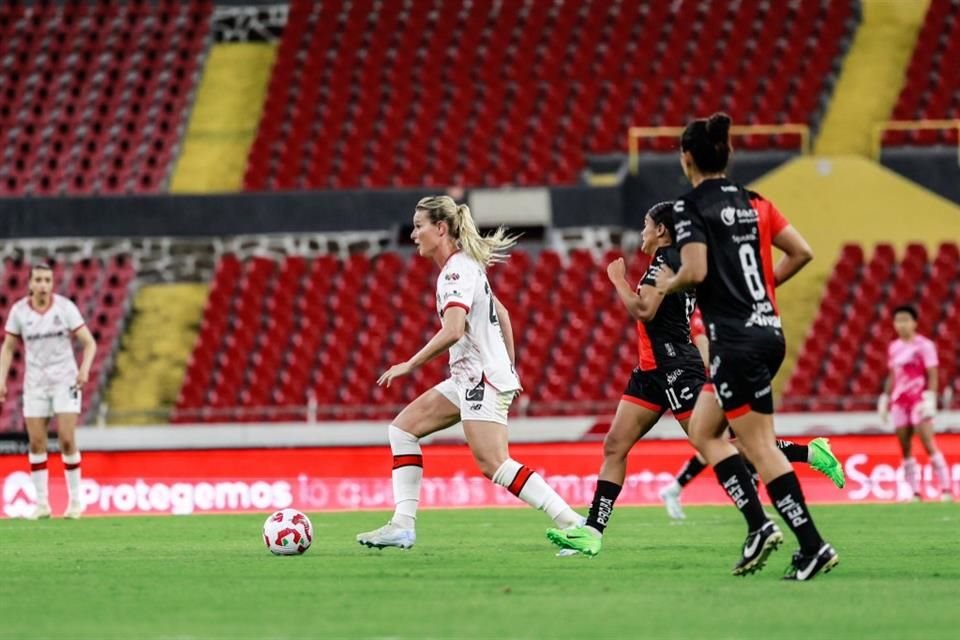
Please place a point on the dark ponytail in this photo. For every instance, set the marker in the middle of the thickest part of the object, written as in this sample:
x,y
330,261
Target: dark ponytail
x,y
708,141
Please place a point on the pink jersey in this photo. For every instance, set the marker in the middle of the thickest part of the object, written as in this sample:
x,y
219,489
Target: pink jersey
x,y
908,362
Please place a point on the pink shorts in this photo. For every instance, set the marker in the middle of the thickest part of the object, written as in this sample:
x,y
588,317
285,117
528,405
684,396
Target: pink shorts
x,y
907,412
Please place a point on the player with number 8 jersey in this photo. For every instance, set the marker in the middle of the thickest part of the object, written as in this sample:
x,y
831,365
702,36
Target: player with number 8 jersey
x,y
726,234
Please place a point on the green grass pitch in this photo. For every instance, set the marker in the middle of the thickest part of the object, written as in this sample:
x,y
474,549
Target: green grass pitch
x,y
476,573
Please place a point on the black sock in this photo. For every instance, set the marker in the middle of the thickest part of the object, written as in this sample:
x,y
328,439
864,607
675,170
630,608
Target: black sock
x,y
691,469
602,507
794,452
787,497
754,476
735,479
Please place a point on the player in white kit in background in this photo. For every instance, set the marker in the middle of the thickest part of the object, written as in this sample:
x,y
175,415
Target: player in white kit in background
x,y
482,383
47,323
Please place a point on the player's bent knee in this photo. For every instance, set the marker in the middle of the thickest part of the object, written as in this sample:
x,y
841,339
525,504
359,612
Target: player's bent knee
x,y
488,465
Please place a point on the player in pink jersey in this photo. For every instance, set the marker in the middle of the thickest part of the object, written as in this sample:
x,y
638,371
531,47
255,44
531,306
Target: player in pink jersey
x,y
47,324
910,398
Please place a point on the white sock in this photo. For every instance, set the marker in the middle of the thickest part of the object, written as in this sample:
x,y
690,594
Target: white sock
x,y
940,470
407,475
530,487
911,473
71,469
39,475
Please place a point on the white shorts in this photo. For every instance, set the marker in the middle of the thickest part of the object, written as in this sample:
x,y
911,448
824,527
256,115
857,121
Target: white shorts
x,y
481,402
46,402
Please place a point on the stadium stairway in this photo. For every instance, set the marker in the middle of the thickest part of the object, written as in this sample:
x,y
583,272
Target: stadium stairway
x,y
154,351
847,199
224,120
872,75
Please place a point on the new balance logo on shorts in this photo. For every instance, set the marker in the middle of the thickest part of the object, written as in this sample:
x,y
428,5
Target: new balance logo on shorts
x,y
476,407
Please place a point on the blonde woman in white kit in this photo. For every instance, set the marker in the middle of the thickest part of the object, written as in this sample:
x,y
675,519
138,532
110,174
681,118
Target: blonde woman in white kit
x,y
46,324
475,329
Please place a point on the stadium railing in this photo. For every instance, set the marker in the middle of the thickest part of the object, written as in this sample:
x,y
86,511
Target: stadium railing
x,y
882,128
637,133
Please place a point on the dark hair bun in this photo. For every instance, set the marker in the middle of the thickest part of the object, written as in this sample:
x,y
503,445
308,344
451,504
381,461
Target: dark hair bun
x,y
718,128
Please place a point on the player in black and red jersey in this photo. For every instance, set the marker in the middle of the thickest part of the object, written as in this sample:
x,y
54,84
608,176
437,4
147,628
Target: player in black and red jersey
x,y
725,247
669,375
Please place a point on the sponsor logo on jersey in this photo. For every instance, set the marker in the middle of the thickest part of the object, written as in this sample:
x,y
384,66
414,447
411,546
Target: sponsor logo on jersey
x,y
729,215
451,277
43,336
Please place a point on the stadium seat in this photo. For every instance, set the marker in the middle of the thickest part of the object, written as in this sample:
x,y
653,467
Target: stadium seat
x,y
95,95
508,94
843,362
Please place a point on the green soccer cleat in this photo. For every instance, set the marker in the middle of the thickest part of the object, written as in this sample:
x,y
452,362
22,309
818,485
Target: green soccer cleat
x,y
825,462
576,538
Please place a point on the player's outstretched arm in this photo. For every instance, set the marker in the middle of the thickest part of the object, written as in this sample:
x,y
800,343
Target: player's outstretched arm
x,y
6,357
503,316
454,326
89,345
796,254
643,304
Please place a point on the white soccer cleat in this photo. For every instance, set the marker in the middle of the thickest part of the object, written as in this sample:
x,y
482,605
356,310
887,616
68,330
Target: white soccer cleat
x,y
389,535
74,510
671,500
40,512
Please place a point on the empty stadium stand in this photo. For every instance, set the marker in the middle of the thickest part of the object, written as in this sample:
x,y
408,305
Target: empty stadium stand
x,y
94,95
100,289
275,333
480,92
931,90
844,360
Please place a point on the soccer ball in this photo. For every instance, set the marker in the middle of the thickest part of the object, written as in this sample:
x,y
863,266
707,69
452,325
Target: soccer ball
x,y
287,532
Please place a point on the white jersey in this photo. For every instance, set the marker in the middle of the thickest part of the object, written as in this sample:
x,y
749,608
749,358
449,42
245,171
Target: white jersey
x,y
48,340
481,353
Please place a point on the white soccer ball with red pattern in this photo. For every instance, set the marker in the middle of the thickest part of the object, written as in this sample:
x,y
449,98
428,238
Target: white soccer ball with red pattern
x,y
288,532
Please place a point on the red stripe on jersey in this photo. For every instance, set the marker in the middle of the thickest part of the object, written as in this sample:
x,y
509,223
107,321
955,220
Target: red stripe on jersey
x,y
697,327
455,304
765,223
407,461
645,349
520,480
642,403
448,258
733,414
38,466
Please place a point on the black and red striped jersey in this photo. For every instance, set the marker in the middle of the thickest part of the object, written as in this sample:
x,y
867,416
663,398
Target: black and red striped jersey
x,y
664,341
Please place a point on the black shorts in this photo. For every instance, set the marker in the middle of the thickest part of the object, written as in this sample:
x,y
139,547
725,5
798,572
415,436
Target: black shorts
x,y
675,388
742,378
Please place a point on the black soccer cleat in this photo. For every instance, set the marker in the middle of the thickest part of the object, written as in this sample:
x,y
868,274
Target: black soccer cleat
x,y
806,567
757,548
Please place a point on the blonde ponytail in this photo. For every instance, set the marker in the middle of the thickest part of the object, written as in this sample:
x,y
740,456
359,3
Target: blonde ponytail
x,y
486,250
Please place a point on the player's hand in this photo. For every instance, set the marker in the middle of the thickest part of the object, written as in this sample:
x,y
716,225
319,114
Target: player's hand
x,y
83,377
929,404
664,276
395,371
883,407
617,270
